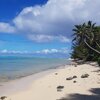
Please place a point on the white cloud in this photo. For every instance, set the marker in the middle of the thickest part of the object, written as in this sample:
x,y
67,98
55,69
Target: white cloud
x,y
5,27
5,51
44,51
54,20
40,38
63,39
50,51
47,38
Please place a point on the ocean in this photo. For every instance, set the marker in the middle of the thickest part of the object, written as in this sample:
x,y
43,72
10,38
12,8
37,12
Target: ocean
x,y
13,67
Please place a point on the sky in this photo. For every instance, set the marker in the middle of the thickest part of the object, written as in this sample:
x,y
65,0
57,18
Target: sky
x,y
43,26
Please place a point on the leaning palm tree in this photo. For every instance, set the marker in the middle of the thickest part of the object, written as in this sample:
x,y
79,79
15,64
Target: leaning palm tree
x,y
80,52
85,33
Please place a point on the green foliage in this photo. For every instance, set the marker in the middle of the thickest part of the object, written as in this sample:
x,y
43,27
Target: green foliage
x,y
86,42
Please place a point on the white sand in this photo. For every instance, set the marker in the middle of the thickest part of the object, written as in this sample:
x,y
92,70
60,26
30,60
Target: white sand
x,y
45,87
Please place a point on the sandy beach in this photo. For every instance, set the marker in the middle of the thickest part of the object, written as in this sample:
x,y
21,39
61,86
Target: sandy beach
x,y
65,83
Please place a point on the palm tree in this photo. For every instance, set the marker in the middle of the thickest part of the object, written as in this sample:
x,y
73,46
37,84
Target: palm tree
x,y
85,33
80,52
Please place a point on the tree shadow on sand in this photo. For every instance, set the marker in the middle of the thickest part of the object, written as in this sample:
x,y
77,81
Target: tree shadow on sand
x,y
94,96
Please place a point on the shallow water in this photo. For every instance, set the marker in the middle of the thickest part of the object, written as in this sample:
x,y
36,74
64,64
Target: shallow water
x,y
17,67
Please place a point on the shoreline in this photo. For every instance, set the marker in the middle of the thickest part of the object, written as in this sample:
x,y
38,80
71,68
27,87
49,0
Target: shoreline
x,y
34,72
6,86
43,85
26,79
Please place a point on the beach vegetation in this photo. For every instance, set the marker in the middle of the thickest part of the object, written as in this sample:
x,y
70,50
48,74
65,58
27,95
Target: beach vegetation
x,y
86,42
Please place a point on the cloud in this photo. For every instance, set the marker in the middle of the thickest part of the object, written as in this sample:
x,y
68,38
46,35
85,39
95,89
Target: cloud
x,y
48,38
51,51
44,51
63,39
5,51
54,20
6,28
40,38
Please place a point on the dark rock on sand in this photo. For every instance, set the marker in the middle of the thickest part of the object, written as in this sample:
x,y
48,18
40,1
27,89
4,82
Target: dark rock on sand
x,y
74,81
56,73
59,88
74,76
70,78
3,97
85,76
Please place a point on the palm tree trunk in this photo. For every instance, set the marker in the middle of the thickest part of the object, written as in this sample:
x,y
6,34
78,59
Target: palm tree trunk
x,y
90,40
98,45
91,47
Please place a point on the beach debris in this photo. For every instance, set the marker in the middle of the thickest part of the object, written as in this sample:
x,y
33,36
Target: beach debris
x,y
59,88
74,76
3,97
56,73
74,81
85,76
70,78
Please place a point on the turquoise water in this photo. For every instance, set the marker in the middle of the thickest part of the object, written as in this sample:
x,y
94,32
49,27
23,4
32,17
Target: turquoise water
x,y
17,67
